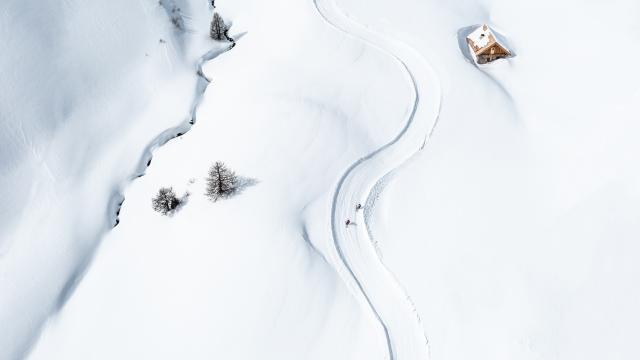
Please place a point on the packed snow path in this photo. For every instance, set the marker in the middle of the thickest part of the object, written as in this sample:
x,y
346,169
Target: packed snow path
x,y
365,271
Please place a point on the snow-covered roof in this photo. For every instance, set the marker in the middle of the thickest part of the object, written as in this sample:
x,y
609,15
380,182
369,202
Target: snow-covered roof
x,y
482,37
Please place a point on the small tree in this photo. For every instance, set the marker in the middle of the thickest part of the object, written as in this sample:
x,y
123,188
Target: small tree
x,y
165,201
221,182
218,29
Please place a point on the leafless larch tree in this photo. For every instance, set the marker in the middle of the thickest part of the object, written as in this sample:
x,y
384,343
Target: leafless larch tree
x,y
221,182
218,29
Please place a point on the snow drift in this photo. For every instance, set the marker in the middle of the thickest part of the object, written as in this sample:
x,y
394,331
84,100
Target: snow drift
x,y
512,232
253,276
509,235
89,89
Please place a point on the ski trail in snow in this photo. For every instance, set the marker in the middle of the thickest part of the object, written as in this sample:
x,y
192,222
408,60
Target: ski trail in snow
x,y
392,308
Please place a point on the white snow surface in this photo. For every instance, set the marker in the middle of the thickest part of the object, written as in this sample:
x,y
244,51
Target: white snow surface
x,y
89,89
501,203
515,231
255,276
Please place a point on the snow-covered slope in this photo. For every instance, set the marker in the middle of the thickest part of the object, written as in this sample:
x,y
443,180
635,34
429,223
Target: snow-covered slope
x,y
384,296
89,88
515,231
507,233
255,276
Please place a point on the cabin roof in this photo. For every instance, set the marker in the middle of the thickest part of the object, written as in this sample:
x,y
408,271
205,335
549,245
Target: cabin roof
x,y
481,38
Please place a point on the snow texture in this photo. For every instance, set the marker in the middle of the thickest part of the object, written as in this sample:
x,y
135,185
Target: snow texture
x,y
501,203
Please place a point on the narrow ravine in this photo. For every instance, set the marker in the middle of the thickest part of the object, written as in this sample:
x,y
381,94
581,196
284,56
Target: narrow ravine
x,y
174,132
117,198
173,13
381,292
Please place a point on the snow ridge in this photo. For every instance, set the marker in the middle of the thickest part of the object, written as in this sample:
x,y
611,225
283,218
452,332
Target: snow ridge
x,y
117,199
179,130
365,270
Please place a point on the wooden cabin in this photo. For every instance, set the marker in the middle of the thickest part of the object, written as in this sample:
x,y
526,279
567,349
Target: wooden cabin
x,y
485,46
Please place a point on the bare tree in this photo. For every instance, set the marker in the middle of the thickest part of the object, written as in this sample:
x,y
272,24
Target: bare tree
x,y
221,182
165,201
218,29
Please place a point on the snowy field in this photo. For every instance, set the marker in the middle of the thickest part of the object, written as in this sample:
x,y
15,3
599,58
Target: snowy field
x,y
88,90
516,231
501,203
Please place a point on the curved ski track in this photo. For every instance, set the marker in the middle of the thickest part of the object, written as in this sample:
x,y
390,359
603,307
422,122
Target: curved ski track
x,y
382,294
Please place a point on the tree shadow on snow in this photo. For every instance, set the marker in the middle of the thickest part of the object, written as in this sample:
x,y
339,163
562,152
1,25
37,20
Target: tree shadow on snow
x,y
243,183
183,201
239,36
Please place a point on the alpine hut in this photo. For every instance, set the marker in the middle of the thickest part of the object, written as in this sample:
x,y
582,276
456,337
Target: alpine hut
x,y
485,46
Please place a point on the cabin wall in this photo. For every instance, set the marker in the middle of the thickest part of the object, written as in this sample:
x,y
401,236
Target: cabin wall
x,y
498,53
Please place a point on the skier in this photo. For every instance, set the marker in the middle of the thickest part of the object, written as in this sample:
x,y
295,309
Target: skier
x,y
358,207
348,222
